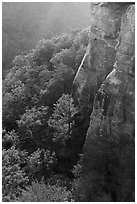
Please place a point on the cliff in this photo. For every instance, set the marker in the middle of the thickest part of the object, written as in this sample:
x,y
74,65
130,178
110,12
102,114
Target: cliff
x,y
107,75
117,89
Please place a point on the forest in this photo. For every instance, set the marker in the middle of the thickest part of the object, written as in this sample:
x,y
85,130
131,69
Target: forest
x,y
44,127
23,24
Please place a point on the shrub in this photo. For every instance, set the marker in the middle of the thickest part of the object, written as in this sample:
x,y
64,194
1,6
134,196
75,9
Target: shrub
x,y
13,178
9,139
40,192
40,164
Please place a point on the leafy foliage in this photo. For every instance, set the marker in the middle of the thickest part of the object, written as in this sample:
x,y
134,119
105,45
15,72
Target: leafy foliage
x,y
33,128
61,123
39,192
36,136
39,164
44,132
23,24
62,118
9,139
41,76
13,177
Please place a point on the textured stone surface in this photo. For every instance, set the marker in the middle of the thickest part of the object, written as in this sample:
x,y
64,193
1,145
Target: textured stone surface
x,y
100,56
105,81
117,93
105,78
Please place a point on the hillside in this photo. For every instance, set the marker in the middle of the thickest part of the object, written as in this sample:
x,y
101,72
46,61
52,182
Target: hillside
x,y
23,24
69,114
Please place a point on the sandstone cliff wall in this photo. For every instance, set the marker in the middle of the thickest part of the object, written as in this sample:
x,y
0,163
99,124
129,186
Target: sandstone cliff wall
x,y
105,83
108,77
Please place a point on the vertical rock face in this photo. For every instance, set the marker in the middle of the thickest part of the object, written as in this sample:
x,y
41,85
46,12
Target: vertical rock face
x,y
100,56
107,75
117,90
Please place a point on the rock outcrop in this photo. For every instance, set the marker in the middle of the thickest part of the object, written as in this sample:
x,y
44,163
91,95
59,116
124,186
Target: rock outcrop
x,y
107,69
116,93
107,73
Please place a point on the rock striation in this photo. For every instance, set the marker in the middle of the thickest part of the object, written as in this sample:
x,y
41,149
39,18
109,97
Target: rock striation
x,y
107,69
116,94
106,82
